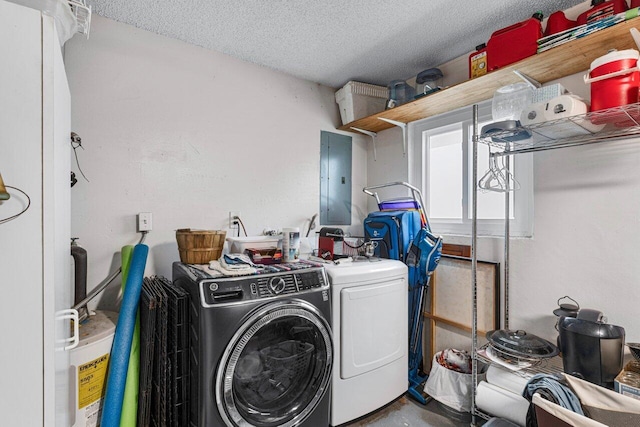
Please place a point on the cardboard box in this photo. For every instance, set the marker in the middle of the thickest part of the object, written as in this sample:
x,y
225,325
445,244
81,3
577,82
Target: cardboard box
x,y
626,389
628,380
264,255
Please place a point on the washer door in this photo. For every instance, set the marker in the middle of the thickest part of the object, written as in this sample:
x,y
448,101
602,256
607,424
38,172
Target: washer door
x,y
276,368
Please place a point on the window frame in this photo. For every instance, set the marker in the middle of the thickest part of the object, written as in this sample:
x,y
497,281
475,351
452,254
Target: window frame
x,y
521,224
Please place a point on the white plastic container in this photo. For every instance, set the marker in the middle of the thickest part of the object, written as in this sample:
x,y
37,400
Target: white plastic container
x,y
237,245
357,100
88,365
509,101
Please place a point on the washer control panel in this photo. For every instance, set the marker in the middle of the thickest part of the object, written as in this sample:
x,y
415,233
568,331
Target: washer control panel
x,y
289,283
237,289
277,285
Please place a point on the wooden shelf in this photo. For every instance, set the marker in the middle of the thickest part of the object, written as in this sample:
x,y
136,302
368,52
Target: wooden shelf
x,y
561,61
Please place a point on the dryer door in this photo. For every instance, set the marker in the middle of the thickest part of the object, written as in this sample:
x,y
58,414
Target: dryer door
x,y
276,368
373,328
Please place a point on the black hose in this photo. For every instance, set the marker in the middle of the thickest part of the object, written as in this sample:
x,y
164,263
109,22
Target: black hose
x,y
79,255
102,285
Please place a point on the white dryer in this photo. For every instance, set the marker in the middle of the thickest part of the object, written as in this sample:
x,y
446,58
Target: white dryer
x,y
370,334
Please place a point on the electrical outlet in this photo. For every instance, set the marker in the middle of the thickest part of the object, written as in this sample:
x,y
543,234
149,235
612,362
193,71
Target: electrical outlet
x,y
144,221
232,215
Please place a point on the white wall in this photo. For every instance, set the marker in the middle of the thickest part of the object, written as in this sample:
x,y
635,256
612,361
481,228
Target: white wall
x,y
390,164
189,135
586,232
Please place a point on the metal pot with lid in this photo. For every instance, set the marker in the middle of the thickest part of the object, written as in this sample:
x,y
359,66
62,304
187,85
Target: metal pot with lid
x,y
521,344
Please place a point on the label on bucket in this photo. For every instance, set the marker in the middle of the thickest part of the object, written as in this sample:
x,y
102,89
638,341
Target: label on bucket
x,y
91,378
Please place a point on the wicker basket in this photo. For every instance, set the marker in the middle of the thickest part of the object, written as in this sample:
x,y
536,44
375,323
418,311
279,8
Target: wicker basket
x,y
200,246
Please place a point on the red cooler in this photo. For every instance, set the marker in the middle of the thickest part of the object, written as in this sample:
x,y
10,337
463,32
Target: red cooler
x,y
615,81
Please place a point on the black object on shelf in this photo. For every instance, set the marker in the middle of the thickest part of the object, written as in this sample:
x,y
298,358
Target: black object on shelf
x,y
507,130
521,343
593,351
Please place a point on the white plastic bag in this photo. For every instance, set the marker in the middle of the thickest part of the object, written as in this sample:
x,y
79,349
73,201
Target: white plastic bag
x,y
449,387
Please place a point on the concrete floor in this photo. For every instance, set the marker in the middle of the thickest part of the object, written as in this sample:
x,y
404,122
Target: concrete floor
x,y
405,412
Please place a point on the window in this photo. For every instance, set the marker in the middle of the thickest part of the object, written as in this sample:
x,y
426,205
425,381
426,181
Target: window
x,y
443,165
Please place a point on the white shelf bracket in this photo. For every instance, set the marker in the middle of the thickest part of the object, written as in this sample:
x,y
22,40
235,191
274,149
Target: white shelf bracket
x,y
404,132
373,139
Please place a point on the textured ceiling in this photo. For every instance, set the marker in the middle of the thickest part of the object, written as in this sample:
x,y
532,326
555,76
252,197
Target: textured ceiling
x,y
331,41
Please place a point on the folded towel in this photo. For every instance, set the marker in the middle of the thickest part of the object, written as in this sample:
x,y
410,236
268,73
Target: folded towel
x,y
217,266
552,387
234,267
236,260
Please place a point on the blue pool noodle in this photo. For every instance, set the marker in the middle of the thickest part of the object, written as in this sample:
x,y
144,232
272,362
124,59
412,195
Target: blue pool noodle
x,y
119,360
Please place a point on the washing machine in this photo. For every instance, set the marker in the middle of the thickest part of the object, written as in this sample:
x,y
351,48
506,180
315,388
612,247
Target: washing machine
x,y
370,335
261,347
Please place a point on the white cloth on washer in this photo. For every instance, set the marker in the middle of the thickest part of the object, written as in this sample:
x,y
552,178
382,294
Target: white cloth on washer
x,y
218,266
236,261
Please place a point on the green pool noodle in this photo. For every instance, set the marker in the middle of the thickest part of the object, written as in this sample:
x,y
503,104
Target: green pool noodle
x,y
129,415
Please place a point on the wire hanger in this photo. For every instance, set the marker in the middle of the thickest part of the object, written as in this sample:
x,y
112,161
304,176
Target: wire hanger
x,y
498,178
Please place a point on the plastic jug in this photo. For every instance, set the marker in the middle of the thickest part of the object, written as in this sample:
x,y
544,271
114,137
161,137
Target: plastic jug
x,y
509,101
428,81
399,93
